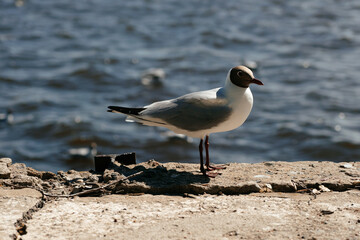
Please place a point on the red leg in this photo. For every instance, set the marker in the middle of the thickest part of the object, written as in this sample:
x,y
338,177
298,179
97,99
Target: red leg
x,y
201,157
207,164
202,169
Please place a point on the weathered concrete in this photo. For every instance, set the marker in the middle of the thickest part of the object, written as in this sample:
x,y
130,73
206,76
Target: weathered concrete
x,y
241,178
13,203
272,200
4,170
176,178
331,215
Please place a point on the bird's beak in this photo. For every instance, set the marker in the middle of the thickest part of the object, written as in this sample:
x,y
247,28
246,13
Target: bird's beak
x,y
257,81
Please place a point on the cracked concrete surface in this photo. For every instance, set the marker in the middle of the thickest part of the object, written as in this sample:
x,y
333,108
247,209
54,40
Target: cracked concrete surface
x,y
330,215
271,200
13,203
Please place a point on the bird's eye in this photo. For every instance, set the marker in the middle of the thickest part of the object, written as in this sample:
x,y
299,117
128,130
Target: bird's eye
x,y
240,73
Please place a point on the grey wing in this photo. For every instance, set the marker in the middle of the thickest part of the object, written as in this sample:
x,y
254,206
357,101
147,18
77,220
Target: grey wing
x,y
191,114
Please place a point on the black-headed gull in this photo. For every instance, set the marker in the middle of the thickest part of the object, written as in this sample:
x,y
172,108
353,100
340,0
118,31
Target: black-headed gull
x,y
153,77
198,114
82,153
7,117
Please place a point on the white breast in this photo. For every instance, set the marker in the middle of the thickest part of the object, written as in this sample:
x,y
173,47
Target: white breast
x,y
241,106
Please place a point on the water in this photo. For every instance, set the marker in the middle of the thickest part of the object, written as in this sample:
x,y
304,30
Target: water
x,y
63,62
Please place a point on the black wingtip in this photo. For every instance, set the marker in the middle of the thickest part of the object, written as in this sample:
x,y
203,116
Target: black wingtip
x,y
111,109
125,110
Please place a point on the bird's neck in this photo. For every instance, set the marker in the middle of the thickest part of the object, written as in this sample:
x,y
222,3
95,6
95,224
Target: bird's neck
x,y
233,92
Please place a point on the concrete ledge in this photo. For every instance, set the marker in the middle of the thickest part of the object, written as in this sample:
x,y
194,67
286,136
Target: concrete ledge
x,y
241,178
272,200
179,178
331,215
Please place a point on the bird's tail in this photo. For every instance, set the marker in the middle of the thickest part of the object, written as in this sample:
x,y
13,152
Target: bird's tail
x,y
125,110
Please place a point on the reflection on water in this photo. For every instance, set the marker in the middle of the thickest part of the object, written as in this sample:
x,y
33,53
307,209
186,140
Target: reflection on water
x,y
62,63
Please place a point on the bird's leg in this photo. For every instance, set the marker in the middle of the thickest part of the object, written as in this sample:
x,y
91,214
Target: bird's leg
x,y
202,169
201,157
207,164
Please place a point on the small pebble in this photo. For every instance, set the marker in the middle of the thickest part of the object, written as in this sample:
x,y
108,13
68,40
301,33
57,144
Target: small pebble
x,y
261,176
322,188
326,211
347,165
315,191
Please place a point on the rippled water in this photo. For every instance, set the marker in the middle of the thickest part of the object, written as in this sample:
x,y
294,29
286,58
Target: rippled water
x,y
63,62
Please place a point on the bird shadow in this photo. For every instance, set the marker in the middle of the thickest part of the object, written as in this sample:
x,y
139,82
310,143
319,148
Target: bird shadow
x,y
160,180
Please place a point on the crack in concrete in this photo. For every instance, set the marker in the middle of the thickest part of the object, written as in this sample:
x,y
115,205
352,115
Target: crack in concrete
x,y
20,224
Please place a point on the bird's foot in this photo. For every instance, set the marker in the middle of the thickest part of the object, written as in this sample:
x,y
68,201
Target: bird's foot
x,y
212,167
210,173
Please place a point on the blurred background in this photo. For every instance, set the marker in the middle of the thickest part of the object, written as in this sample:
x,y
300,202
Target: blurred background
x,y
63,62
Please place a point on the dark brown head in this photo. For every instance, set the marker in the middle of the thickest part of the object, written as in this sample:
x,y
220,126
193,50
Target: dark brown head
x,y
241,76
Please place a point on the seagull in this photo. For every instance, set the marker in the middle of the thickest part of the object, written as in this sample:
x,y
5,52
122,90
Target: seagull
x,y
7,117
83,153
199,114
153,77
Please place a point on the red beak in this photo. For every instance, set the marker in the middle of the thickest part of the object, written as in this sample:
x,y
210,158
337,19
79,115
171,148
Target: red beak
x,y
257,81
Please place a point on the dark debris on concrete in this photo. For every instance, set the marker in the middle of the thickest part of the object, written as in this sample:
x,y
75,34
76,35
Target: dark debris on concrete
x,y
180,178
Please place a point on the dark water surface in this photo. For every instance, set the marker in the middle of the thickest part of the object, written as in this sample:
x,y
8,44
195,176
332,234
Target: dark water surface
x,y
63,62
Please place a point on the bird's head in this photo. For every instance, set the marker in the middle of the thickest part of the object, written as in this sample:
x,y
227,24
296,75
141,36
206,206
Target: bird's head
x,y
242,76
